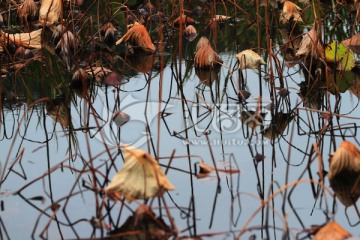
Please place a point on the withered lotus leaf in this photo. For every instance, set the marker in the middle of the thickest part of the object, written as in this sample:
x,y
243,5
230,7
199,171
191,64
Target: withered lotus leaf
x,y
353,43
141,176
138,35
332,231
205,56
344,172
50,11
249,59
220,18
59,113
184,20
27,8
311,46
120,118
279,123
28,40
290,11
190,32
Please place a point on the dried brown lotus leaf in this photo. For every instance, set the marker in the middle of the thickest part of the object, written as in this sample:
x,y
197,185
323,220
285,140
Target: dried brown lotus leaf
x,y
184,20
332,231
27,8
249,59
50,11
311,46
141,176
138,35
220,18
28,40
204,168
290,11
344,173
279,123
353,43
205,56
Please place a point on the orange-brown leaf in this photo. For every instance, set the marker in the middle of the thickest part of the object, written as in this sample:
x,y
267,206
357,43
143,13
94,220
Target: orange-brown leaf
x,y
332,231
138,35
290,11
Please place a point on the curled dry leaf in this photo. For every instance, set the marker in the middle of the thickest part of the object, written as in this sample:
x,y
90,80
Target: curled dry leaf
x,y
249,59
99,73
206,169
27,9
50,11
353,43
28,40
344,172
311,46
290,11
79,78
190,32
220,18
205,56
355,88
332,231
184,20
138,35
141,177
120,118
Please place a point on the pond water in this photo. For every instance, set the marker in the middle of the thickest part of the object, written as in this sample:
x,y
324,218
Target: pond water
x,y
60,147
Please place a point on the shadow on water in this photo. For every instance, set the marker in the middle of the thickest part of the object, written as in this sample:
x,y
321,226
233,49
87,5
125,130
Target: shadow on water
x,y
257,144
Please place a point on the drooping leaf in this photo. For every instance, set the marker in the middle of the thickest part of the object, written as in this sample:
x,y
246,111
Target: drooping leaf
x,y
51,11
205,56
340,54
340,81
353,43
138,35
141,177
249,59
310,45
344,171
290,11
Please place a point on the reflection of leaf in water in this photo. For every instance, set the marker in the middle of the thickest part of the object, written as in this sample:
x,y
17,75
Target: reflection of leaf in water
x,y
340,81
138,35
141,177
339,53
144,224
249,59
311,94
141,63
208,76
59,112
332,231
250,118
278,125
344,171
